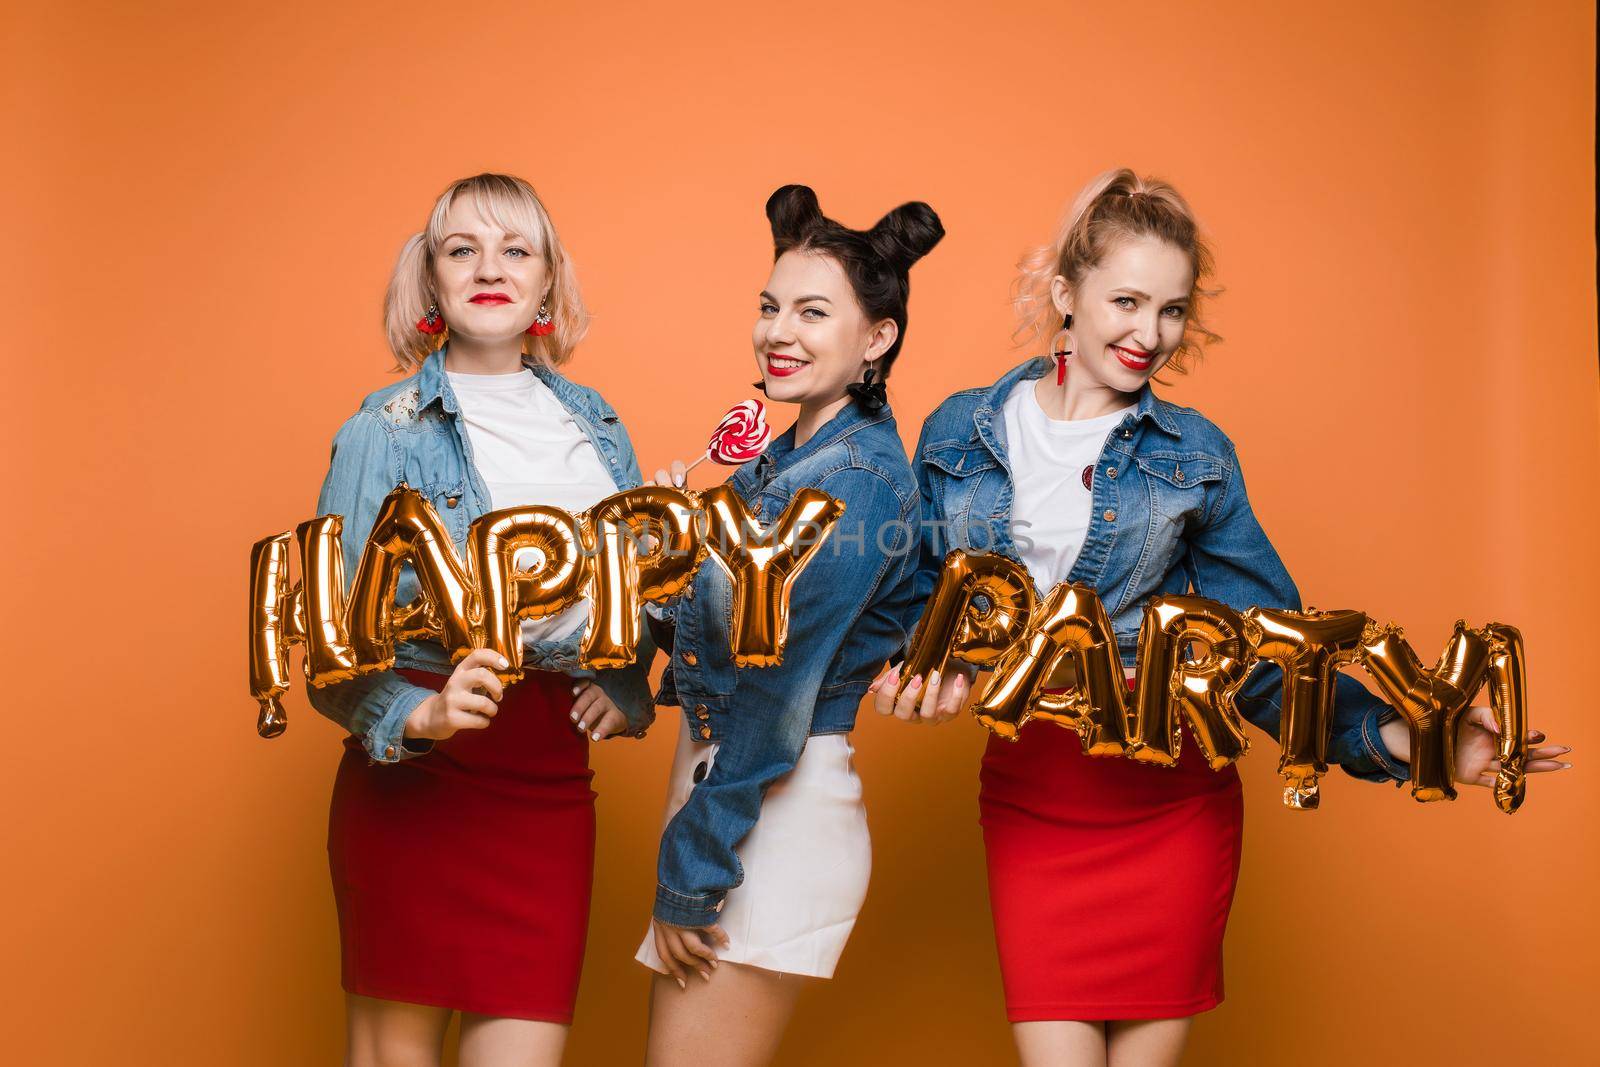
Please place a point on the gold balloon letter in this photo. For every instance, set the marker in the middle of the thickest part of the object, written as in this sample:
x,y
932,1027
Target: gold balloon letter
x,y
320,612
1072,626
1202,689
510,593
1431,702
763,564
1310,646
621,579
271,630
1508,692
408,530
953,625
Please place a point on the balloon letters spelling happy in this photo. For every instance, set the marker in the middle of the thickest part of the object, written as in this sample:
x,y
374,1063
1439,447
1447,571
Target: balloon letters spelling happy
x,y
481,601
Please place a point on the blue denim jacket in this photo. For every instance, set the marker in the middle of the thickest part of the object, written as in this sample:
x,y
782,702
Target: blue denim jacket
x,y
1170,515
409,432
847,612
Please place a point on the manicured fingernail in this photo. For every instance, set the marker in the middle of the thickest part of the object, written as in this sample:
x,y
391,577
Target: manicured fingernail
x,y
596,735
504,663
574,716
577,689
933,679
916,682
713,965
681,983
1566,766
706,975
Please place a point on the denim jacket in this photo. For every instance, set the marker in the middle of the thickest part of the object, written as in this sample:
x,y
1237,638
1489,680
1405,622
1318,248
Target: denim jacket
x,y
410,432
847,612
1170,515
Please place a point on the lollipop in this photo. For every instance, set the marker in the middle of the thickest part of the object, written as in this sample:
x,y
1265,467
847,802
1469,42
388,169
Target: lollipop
x,y
741,436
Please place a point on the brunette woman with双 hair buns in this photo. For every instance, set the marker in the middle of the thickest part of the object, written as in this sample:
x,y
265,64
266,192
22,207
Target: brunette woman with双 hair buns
x,y
877,261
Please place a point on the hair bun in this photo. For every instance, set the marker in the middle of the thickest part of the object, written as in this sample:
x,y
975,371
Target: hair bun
x,y
906,234
793,210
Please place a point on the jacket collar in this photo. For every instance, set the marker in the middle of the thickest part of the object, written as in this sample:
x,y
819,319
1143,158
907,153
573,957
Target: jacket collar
x,y
781,454
433,386
1148,406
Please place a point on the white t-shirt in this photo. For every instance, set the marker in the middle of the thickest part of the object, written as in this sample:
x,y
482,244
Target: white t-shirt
x,y
530,450
1052,467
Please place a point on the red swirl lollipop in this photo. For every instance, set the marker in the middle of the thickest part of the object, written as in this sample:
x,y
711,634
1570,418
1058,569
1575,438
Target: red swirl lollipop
x,y
741,436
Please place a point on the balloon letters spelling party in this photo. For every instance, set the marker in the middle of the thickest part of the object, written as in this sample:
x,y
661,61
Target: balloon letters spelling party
x,y
480,601
1057,659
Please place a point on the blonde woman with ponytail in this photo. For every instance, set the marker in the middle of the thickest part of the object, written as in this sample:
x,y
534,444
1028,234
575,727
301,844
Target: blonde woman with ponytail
x,y
1111,881
461,836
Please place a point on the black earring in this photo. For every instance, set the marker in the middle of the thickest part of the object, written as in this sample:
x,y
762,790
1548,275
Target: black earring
x,y
760,386
1066,323
870,396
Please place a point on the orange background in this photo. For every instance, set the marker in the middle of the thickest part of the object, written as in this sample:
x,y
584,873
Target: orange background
x,y
206,203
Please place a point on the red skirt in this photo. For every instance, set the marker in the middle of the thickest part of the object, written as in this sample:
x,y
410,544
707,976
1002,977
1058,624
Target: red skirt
x,y
463,876
1110,880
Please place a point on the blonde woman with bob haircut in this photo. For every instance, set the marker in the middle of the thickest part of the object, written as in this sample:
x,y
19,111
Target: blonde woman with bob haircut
x,y
1111,881
461,835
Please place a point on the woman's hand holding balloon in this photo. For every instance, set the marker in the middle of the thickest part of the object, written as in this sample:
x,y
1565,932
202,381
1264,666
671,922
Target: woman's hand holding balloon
x,y
468,701
936,699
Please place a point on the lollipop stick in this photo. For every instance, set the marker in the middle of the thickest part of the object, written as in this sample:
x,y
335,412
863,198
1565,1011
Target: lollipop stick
x,y
697,462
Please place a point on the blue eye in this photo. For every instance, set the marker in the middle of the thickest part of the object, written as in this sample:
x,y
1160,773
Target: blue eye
x,y
1174,312
455,253
818,312
519,251
1124,302
769,309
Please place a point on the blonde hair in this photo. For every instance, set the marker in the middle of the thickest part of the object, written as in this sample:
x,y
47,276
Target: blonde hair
x,y
511,203
1115,206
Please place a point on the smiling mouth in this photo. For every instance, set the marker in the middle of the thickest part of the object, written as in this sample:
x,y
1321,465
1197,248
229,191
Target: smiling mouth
x,y
1133,358
783,366
490,298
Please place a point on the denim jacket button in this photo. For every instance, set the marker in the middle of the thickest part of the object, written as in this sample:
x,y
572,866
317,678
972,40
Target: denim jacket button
x,y
701,712
705,733
388,753
1111,472
690,658
1109,515
451,502
757,509
1178,474
1127,433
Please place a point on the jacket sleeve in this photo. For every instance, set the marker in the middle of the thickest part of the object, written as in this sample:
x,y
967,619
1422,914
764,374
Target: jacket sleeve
x,y
373,707
768,716
1230,559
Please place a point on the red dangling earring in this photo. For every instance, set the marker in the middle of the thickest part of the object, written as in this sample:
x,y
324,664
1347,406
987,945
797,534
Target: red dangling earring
x,y
431,323
1064,350
543,324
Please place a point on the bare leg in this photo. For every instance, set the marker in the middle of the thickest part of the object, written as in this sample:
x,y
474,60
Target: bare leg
x,y
1060,1043
1147,1042
491,1041
736,1019
389,1033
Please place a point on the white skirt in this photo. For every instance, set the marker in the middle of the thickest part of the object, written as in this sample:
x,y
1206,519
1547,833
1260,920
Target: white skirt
x,y
806,862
